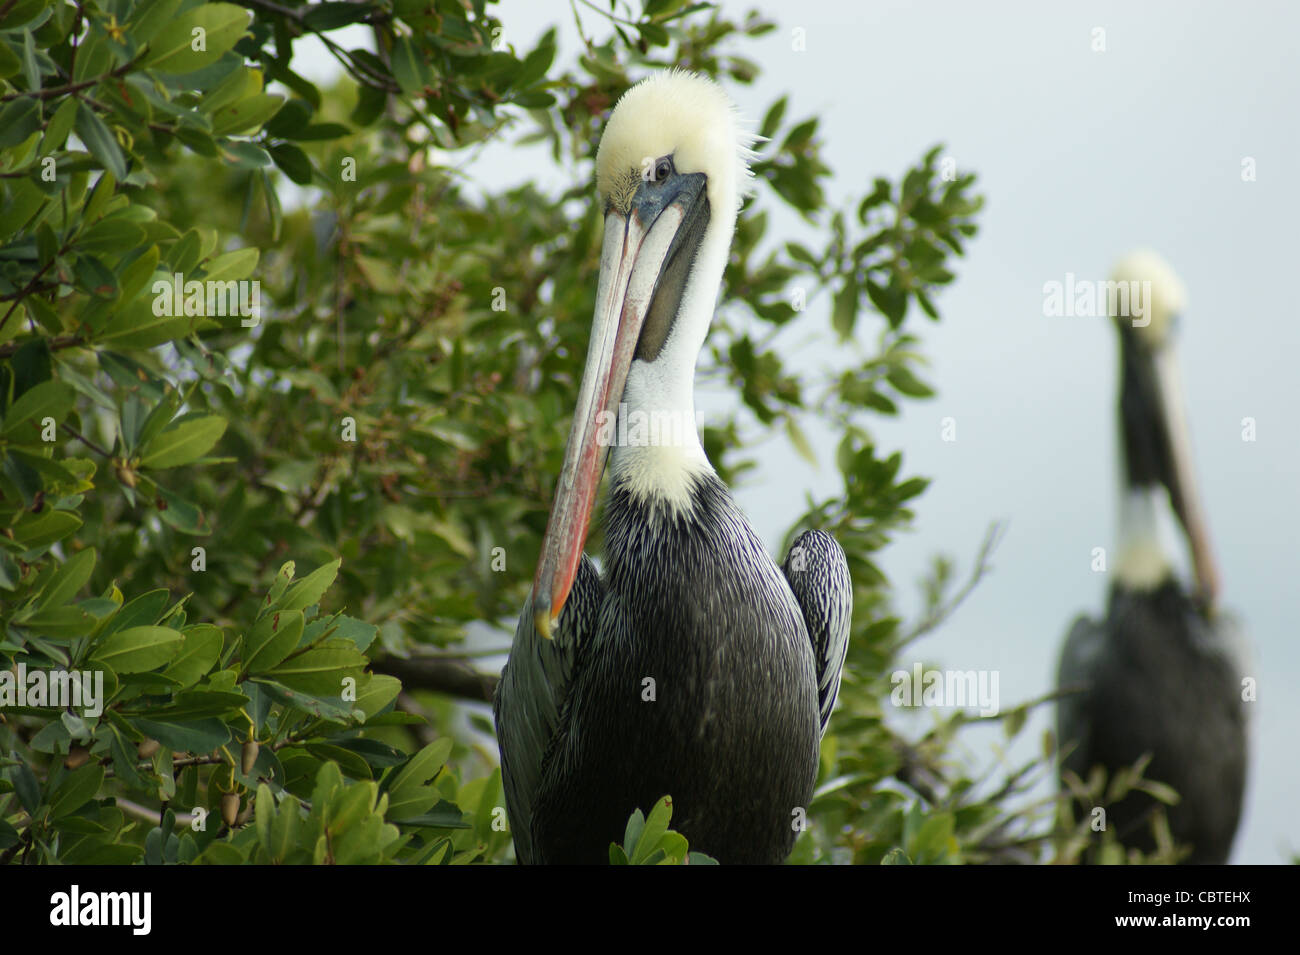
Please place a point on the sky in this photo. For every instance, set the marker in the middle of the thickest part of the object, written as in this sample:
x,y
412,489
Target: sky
x,y
1094,128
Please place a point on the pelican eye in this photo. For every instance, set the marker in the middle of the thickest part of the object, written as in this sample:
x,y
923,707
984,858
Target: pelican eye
x,y
663,168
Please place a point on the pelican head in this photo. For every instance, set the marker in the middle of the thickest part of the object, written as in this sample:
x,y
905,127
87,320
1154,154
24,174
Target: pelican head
x,y
672,170
1157,443
684,120
1163,294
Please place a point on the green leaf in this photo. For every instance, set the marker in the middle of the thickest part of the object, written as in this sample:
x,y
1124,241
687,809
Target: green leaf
x,y
94,276
247,115
362,634
907,383
537,62
215,27
198,655
181,514
845,311
59,623
293,117
185,252
321,131
272,638
285,827
293,162
27,787
156,420
799,440
149,16
9,572
45,529
376,693
444,815
14,15
195,736
222,854
311,588
143,610
653,34
49,399
18,120
410,794
138,649
408,69
68,579
183,442
635,824
330,708
377,754
10,65
76,789
238,264
772,121
656,825
323,17
351,763
138,328
191,705
370,105
99,140
319,671
111,235
31,66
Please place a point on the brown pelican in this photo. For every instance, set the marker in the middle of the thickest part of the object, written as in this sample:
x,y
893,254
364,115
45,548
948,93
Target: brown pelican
x,y
1162,675
694,667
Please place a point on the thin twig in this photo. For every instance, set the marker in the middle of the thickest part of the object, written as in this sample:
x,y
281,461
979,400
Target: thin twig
x,y
68,429
981,567
183,819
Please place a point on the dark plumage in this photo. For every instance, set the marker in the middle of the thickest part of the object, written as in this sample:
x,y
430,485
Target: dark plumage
x,y
1160,678
691,601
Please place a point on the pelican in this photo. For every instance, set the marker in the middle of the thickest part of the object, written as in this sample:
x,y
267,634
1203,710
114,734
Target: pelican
x,y
1162,675
692,667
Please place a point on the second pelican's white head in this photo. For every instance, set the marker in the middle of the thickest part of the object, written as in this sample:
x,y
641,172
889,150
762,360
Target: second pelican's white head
x,y
672,170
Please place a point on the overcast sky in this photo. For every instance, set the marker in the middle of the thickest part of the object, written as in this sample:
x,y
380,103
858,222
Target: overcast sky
x,y
1083,155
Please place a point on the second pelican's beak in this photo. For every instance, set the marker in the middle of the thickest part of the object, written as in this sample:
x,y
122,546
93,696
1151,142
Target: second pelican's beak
x,y
1158,445
637,245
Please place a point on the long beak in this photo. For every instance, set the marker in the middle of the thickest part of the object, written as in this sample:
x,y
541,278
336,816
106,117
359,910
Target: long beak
x,y
1180,478
1158,447
636,246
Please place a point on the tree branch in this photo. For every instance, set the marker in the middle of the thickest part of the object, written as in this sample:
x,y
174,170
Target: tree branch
x,y
440,676
58,343
982,566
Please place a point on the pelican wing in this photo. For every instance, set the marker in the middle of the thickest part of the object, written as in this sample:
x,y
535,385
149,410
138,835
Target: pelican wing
x,y
532,693
818,574
1074,674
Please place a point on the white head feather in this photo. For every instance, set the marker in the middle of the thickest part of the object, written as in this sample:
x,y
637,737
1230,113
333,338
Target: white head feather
x,y
684,115
1167,296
